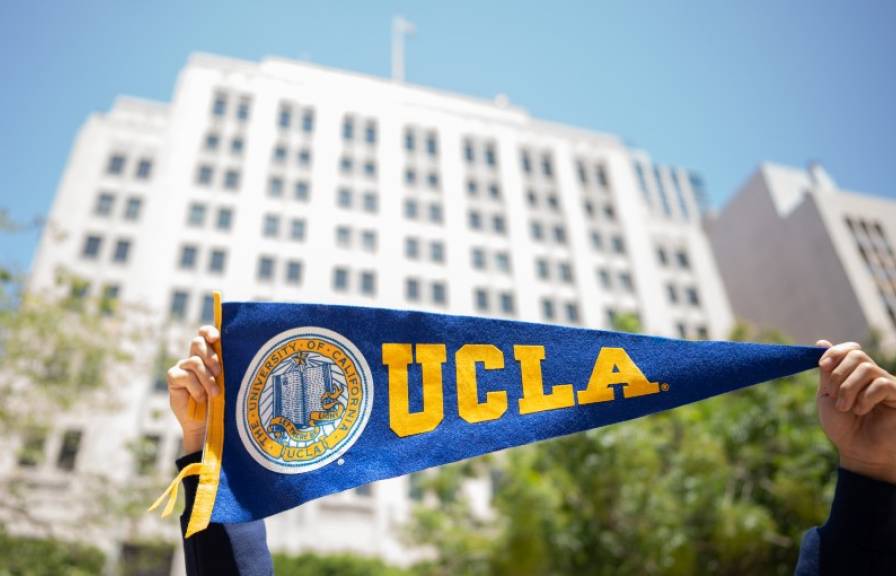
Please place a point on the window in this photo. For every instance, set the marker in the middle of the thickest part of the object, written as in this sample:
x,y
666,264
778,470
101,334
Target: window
x,y
122,251
115,166
297,229
469,153
439,293
31,453
271,226
368,283
682,329
370,132
370,168
702,332
437,251
371,203
494,191
603,275
572,312
132,208
308,121
236,146
348,128
672,293
547,166
412,289
481,299
560,234
526,162
693,296
410,176
196,214
410,142
536,231
284,119
566,272
435,213
219,107
109,298
609,212
502,261
232,179
344,197
187,260
490,158
601,174
507,303
472,187
583,174
304,158
662,190
300,190
661,256
104,204
411,248
217,262
293,272
242,110
618,244
477,255
265,271
207,312
275,186
368,240
346,164
211,141
547,308
531,198
144,169
432,144
542,269
625,279
340,279
178,307
432,179
92,246
683,261
475,220
225,219
410,209
147,453
597,241
554,202
204,175
498,224
68,451
343,236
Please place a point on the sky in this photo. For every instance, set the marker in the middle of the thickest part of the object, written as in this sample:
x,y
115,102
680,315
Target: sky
x,y
717,87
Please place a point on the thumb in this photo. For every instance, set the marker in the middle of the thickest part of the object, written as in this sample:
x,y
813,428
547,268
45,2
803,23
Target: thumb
x,y
824,375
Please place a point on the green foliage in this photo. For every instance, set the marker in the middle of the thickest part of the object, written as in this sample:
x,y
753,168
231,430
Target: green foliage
x,y
335,565
724,486
33,557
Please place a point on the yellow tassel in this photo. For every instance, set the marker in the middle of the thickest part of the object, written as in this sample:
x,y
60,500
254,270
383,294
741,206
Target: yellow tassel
x,y
193,469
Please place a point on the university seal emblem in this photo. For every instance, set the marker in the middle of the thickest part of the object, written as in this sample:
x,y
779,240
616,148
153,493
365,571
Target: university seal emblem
x,y
304,400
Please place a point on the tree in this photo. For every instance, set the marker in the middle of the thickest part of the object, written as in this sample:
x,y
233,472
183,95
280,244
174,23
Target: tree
x,y
724,486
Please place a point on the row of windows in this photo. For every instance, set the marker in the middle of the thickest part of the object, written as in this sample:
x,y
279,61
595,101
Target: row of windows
x,y
179,306
302,154
212,143
682,260
429,138
205,175
475,150
222,101
623,280
350,125
561,270
617,242
691,295
660,184
541,232
345,280
104,206
551,310
484,259
412,178
544,160
301,190
597,175
487,301
293,113
548,199
492,190
607,210
197,213
271,227
347,237
32,451
93,246
413,210
347,198
347,166
413,249
188,259
481,222
415,290
698,331
116,165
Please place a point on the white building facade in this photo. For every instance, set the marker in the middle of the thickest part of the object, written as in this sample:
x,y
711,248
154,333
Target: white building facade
x,y
801,255
286,181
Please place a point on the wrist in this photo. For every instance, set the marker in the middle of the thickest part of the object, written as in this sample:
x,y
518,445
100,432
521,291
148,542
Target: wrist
x,y
875,470
193,441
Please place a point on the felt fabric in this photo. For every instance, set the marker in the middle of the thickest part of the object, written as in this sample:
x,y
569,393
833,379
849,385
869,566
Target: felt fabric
x,y
487,418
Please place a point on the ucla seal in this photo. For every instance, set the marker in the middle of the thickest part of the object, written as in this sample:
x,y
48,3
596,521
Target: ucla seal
x,y
304,400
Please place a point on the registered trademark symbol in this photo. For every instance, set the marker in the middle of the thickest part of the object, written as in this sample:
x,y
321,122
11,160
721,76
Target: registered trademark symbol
x,y
664,387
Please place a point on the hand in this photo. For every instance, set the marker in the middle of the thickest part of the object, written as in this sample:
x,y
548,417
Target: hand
x,y
857,407
194,377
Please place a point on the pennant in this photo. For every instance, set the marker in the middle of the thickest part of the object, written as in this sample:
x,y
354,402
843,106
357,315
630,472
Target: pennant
x,y
318,399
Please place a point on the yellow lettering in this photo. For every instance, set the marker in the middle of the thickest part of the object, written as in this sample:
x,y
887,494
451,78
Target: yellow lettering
x,y
468,405
614,366
431,357
534,399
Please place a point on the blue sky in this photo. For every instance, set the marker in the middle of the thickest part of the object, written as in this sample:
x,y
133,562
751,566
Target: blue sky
x,y
713,86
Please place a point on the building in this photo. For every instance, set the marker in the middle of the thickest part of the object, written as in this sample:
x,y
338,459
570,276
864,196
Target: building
x,y
287,181
801,255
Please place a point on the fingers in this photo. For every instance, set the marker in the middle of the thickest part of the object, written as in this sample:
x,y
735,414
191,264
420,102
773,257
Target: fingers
x,y
210,333
197,366
199,346
180,379
834,354
824,343
881,389
860,372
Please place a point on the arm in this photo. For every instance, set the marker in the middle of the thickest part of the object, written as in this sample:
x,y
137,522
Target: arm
x,y
221,548
856,402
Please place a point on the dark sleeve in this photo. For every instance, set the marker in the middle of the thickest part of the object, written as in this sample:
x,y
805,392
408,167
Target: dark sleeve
x,y
860,534
239,549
